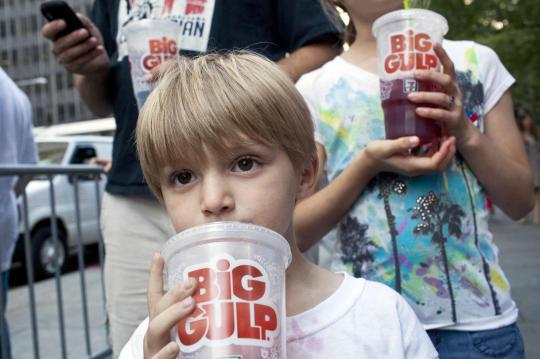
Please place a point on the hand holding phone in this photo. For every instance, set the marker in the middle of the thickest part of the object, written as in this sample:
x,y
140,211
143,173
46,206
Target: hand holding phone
x,y
77,44
60,10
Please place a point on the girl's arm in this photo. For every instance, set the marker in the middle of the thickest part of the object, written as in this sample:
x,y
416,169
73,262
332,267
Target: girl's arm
x,y
496,157
499,161
318,214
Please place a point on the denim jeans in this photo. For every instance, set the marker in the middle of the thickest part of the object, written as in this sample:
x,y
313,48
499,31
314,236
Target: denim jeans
x,y
502,343
5,336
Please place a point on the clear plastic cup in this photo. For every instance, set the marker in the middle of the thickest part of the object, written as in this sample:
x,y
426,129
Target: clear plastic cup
x,y
405,40
240,297
149,42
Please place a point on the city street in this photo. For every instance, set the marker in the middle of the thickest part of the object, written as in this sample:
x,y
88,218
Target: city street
x,y
519,254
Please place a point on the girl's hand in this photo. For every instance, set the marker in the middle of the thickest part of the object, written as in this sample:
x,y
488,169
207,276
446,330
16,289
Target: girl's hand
x,y
165,311
449,112
394,156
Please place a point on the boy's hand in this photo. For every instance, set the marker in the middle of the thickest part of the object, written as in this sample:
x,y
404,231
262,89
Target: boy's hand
x,y
449,112
81,52
393,156
165,311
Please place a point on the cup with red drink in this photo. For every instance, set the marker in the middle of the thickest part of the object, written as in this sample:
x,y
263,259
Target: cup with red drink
x,y
405,40
240,296
150,42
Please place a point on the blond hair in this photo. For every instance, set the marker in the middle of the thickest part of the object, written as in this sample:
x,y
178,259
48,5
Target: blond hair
x,y
215,100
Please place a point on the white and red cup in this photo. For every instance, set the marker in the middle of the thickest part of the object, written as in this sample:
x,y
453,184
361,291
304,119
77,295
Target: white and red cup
x,y
405,40
240,296
150,42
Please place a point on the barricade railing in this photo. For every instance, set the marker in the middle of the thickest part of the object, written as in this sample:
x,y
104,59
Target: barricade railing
x,y
75,172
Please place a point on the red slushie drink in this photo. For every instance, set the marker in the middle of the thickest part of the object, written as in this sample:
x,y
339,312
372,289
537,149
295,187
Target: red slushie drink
x,y
405,40
240,296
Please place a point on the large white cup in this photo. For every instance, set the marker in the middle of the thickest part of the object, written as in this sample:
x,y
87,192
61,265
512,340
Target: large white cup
x,y
149,43
240,295
405,40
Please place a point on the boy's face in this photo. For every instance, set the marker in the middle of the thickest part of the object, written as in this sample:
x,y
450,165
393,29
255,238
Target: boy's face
x,y
250,183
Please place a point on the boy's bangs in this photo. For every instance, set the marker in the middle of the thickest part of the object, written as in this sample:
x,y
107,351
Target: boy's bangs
x,y
216,102
185,141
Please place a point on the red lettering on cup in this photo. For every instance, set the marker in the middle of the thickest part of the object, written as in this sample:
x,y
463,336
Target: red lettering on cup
x,y
231,306
159,50
410,51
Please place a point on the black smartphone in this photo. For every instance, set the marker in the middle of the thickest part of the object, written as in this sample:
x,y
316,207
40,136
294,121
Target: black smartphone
x,y
56,10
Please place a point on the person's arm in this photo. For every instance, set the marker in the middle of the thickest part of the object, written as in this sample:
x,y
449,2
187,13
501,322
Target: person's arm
x,y
497,157
86,59
499,161
318,214
308,58
95,93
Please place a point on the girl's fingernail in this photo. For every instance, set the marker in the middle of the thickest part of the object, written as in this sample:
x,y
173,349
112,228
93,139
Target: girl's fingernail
x,y
186,303
414,140
156,256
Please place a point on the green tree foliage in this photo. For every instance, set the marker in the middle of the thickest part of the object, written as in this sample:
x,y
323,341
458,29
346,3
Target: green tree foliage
x,y
512,29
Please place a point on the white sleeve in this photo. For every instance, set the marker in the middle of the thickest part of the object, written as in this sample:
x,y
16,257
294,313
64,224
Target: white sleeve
x,y
493,75
134,347
28,153
416,342
305,86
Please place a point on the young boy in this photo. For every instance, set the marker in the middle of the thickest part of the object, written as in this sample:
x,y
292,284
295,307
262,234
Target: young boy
x,y
228,137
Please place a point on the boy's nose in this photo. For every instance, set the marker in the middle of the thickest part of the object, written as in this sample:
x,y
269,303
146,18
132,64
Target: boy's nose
x,y
216,199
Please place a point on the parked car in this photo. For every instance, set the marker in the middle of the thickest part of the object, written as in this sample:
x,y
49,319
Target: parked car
x,y
62,151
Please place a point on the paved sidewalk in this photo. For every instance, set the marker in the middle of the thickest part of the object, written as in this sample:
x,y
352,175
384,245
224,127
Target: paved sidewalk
x,y
18,315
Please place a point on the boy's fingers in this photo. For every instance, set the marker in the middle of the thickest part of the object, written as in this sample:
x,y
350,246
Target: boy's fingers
x,y
155,284
160,326
170,351
177,294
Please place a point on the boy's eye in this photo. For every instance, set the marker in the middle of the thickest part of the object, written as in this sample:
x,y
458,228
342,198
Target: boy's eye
x,y
245,164
182,178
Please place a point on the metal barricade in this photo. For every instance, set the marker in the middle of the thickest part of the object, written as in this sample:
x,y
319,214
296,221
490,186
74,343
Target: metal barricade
x,y
75,172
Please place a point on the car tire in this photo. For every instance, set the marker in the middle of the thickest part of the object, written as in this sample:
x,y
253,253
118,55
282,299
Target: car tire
x,y
43,251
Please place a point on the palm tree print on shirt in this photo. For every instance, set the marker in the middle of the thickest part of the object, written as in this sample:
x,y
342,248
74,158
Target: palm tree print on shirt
x,y
389,184
433,214
485,265
356,249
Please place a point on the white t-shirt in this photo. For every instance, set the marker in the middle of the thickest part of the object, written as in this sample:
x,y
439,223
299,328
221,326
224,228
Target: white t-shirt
x,y
425,236
361,319
16,146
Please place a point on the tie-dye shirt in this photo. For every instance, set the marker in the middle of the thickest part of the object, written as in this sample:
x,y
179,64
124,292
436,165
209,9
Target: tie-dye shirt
x,y
426,236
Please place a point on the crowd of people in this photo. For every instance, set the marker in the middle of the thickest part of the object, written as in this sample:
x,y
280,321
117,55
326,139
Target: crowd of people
x,y
413,270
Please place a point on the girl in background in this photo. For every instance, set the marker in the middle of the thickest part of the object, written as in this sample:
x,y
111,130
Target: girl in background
x,y
420,224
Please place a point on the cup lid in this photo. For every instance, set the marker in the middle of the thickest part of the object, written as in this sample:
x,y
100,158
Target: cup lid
x,y
225,230
410,14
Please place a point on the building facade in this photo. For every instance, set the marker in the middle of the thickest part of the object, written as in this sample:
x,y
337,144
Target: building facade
x,y
25,55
